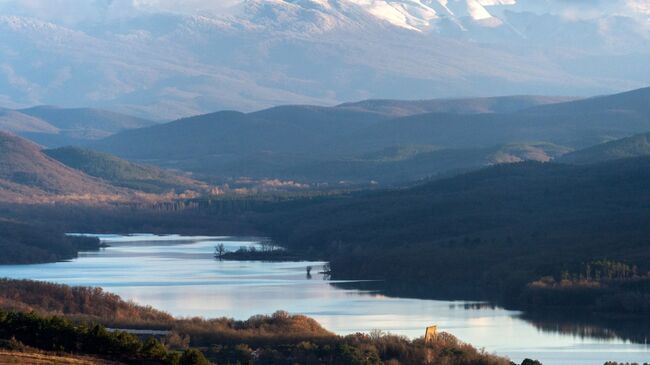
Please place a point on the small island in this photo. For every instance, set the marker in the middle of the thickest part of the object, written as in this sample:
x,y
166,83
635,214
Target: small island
x,y
267,252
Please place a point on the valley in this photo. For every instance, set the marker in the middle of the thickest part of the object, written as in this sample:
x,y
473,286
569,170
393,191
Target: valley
x,y
325,182
513,208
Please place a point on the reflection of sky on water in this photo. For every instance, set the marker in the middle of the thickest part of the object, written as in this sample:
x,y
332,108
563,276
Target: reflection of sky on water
x,y
179,275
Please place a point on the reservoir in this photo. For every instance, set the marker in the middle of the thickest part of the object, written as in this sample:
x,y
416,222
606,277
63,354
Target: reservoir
x,y
180,275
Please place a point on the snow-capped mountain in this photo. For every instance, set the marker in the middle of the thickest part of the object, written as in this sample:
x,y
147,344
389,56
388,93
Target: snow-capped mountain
x,y
166,58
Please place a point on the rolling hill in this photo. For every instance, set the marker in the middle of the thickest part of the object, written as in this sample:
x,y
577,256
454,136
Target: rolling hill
x,y
53,126
319,144
119,172
411,163
27,174
16,122
403,108
576,124
304,130
634,101
635,146
86,122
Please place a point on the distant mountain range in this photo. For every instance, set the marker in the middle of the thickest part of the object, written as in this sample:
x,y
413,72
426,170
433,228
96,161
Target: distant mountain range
x,y
368,143
162,60
384,141
53,126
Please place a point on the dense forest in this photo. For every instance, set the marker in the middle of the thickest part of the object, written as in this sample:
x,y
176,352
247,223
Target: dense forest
x,y
495,230
30,243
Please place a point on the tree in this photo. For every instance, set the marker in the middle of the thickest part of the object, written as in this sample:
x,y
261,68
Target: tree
x,y
193,357
219,250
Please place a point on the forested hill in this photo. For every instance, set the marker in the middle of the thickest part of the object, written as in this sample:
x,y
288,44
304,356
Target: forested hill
x,y
635,146
28,175
497,228
22,243
331,145
123,173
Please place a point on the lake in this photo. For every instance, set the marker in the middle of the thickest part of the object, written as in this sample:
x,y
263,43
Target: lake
x,y
179,275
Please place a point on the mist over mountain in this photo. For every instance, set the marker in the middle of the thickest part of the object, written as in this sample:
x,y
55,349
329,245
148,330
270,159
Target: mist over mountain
x,y
165,60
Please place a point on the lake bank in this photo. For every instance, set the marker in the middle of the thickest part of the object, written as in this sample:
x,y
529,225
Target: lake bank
x,y
180,275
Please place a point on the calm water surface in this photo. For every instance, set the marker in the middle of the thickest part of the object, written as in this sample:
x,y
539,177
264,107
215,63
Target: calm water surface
x,y
179,275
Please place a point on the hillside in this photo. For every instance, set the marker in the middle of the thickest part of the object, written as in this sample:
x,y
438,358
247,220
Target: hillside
x,y
496,229
16,122
119,172
575,124
75,125
228,135
635,146
634,101
23,243
412,163
86,122
325,145
403,108
53,126
27,174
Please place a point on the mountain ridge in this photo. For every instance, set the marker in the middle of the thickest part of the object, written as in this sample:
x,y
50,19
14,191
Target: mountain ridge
x,y
340,50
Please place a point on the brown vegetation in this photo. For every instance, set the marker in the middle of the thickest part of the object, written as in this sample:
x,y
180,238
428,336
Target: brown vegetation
x,y
54,299
39,358
280,338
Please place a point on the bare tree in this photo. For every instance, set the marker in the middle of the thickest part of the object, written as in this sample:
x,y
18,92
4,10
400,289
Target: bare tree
x,y
219,251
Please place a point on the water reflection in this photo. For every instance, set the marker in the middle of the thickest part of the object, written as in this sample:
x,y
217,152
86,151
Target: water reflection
x,y
635,330
181,276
